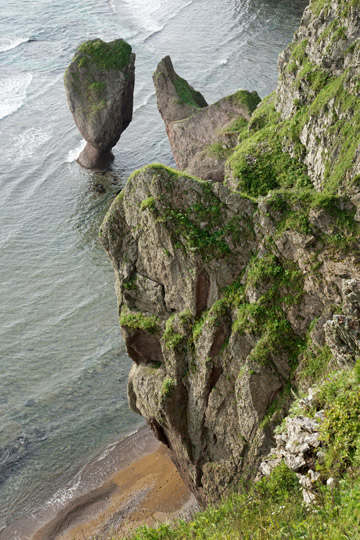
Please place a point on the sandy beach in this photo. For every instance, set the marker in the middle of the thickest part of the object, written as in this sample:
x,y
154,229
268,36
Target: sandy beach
x,y
148,490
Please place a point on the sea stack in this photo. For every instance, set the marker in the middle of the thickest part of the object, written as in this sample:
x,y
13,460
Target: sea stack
x,y
201,136
99,84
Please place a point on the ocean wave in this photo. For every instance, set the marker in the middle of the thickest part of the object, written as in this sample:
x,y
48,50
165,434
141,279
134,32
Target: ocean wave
x,y
153,33
9,43
75,152
111,4
63,495
168,17
13,90
25,145
145,102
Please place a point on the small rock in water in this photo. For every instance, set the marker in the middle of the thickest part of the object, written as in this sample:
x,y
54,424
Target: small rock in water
x,y
99,188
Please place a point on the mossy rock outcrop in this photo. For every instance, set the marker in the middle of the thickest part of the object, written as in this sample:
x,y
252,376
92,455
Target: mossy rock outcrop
x,y
99,84
201,135
233,296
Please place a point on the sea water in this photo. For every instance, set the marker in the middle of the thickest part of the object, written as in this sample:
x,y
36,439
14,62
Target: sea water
x,y
63,364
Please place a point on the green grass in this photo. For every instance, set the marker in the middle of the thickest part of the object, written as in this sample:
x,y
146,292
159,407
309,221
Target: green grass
x,y
113,55
176,329
187,94
292,210
271,509
168,386
201,227
148,203
249,100
139,321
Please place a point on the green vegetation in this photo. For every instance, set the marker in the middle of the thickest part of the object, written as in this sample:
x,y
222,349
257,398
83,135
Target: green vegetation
x,y
97,88
219,151
187,94
315,363
130,284
168,387
340,430
201,226
140,321
148,203
268,167
249,100
176,329
270,154
282,284
113,55
236,126
292,210
259,163
272,508
317,6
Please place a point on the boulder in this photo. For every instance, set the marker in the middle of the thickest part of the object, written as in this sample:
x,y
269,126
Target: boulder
x,y
99,84
201,136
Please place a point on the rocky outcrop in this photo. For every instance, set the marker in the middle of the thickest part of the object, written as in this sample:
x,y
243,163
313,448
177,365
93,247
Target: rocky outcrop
x,y
299,446
201,136
299,441
99,84
225,290
176,99
343,331
214,332
319,74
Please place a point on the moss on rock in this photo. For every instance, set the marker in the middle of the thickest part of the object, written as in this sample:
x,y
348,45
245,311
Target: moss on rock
x,y
113,55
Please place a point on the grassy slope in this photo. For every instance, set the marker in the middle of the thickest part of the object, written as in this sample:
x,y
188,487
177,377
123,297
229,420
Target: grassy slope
x,y
273,508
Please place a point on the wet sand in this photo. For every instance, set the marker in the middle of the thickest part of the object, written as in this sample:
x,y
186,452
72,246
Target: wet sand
x,y
147,491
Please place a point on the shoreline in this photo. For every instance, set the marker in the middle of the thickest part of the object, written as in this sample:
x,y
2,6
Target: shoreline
x,y
131,483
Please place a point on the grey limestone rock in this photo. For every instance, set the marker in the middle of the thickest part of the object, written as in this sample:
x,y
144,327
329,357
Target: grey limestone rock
x,y
99,84
200,135
298,446
343,331
176,99
224,298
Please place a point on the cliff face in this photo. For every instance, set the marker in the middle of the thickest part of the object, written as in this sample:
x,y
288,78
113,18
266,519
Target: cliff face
x,y
231,294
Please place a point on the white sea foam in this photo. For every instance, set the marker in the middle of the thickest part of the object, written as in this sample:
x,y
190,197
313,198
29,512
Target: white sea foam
x,y
13,91
63,495
9,43
155,14
75,152
146,14
144,102
27,143
113,8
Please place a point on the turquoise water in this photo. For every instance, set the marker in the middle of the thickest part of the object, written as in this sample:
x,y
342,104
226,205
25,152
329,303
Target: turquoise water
x,y
63,365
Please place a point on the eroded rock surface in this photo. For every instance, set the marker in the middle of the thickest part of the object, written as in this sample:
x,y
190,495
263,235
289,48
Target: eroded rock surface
x,y
99,85
226,291
201,136
214,331
299,446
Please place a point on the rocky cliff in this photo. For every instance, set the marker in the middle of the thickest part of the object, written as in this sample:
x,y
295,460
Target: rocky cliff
x,y
231,294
